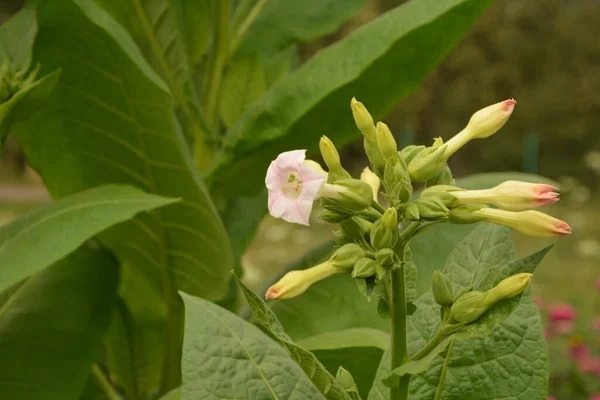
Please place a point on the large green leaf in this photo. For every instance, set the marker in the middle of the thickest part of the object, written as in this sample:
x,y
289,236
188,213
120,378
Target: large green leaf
x,y
318,374
52,324
226,357
379,63
358,350
509,363
57,229
111,119
17,36
282,23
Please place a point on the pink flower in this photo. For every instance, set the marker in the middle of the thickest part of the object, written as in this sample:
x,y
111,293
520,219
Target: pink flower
x,y
595,397
579,352
511,195
293,184
562,318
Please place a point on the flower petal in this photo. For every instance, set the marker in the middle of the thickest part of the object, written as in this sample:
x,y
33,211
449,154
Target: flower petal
x,y
279,204
272,180
290,159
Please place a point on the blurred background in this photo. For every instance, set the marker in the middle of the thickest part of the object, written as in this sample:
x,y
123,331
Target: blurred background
x,y
546,57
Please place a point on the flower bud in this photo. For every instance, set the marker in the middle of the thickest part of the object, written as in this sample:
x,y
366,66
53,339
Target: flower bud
x,y
333,217
354,227
442,289
396,180
385,230
348,195
363,119
345,379
444,177
409,152
340,238
295,283
469,307
509,287
332,159
346,256
427,163
443,193
483,123
372,180
512,195
386,142
465,214
431,209
530,222
380,272
385,257
364,268
411,212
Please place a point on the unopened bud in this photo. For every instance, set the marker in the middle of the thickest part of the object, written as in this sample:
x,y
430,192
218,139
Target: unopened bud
x,y
443,193
346,256
444,177
509,287
409,152
385,230
348,195
465,214
442,288
385,257
530,222
469,307
363,119
385,140
340,238
364,268
427,163
431,209
380,272
333,217
332,159
345,379
353,227
372,180
396,180
295,283
411,212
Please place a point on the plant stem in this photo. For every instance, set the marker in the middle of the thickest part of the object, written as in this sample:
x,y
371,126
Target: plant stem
x,y
107,387
437,338
398,324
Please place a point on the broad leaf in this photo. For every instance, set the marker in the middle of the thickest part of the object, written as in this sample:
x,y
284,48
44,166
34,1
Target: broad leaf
x,y
174,394
52,325
278,25
17,36
318,374
330,305
379,63
226,357
509,363
111,119
60,228
358,350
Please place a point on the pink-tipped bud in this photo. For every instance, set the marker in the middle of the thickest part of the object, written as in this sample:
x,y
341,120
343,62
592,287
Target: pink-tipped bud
x,y
530,222
511,195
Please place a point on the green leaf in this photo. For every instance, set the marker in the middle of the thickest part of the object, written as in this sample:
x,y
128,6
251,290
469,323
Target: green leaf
x,y
283,23
358,350
111,119
243,83
322,379
379,63
174,394
197,27
52,325
509,363
226,357
60,228
17,36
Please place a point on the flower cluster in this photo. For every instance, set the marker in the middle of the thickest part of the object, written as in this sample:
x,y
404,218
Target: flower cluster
x,y
369,237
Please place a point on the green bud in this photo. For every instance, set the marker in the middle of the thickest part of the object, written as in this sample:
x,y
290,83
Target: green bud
x,y
396,180
385,257
441,288
346,195
464,214
333,217
440,193
346,256
427,163
332,159
386,142
469,307
364,268
380,272
411,212
383,309
353,227
444,177
385,231
345,379
340,238
363,119
431,209
437,142
509,287
409,152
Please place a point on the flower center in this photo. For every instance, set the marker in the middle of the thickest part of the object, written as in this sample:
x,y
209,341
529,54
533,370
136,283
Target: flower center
x,y
292,186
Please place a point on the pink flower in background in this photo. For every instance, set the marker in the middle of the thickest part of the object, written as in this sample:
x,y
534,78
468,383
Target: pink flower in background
x,y
596,325
590,365
293,184
562,318
595,397
579,352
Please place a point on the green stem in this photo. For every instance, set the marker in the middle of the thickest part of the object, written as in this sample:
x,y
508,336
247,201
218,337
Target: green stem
x,y
218,61
398,325
103,381
439,336
377,206
247,23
